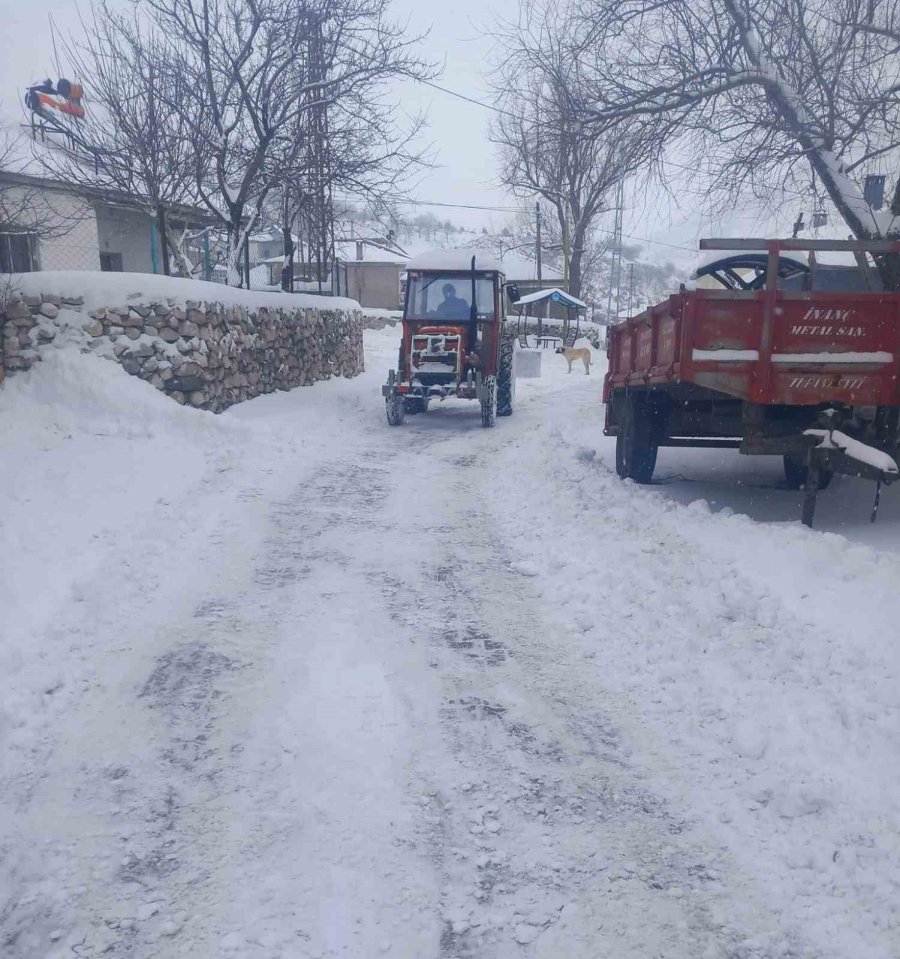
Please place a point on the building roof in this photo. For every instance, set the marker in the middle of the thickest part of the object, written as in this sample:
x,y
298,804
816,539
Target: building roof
x,y
555,294
30,162
382,250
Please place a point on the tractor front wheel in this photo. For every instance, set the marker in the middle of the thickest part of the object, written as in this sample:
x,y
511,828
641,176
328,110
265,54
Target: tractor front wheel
x,y
636,444
506,377
489,401
393,408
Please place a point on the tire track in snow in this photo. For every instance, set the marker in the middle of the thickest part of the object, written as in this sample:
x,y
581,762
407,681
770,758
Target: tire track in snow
x,y
544,834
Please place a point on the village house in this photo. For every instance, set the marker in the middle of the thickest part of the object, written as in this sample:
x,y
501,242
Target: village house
x,y
47,223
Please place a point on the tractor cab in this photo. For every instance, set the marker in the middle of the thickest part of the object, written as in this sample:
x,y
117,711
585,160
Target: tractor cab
x,y
454,340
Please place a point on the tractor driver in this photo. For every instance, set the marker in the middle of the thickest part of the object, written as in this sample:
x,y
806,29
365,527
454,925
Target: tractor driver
x,y
452,307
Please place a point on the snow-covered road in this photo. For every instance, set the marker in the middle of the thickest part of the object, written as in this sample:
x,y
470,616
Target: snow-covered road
x,y
287,683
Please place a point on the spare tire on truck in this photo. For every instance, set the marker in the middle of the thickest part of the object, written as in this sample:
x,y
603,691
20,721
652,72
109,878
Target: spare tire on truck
x,y
637,440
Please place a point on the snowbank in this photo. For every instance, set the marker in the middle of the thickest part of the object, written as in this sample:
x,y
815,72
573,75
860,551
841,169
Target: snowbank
x,y
208,353
753,666
91,458
120,289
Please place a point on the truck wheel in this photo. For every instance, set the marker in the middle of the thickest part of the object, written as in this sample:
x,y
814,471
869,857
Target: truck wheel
x,y
796,471
636,445
393,407
506,377
489,401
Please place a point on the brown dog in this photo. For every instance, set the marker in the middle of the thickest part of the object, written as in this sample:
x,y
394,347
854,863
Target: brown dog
x,y
583,354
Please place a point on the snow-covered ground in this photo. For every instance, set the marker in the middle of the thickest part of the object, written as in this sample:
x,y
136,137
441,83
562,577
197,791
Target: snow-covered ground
x,y
289,683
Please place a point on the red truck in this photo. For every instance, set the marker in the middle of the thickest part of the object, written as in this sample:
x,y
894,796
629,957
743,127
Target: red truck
x,y
779,355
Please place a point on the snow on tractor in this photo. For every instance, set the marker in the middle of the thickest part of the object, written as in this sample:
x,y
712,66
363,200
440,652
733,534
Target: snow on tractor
x,y
455,341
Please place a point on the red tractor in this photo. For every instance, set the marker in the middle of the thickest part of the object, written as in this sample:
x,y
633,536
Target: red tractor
x,y
455,341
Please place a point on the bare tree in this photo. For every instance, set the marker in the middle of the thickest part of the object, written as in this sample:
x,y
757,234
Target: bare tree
x,y
766,92
545,148
134,140
361,153
30,210
29,213
242,74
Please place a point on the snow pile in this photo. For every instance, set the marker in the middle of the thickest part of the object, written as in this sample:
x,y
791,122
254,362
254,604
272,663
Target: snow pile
x,y
836,440
120,289
726,356
91,458
455,261
847,356
739,662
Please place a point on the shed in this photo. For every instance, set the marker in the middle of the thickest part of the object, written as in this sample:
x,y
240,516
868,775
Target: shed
x,y
538,304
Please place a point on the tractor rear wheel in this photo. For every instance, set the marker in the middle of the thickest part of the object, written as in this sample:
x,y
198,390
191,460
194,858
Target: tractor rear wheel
x,y
796,472
636,442
489,401
506,377
393,408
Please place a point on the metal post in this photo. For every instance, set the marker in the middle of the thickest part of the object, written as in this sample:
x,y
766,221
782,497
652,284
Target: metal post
x,y
537,244
163,244
207,260
812,488
631,289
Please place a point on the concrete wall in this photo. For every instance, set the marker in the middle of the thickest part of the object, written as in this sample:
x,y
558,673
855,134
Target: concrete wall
x,y
375,285
130,233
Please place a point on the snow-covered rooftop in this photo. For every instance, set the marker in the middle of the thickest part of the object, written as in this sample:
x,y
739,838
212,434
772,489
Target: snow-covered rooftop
x,y
455,261
373,251
555,294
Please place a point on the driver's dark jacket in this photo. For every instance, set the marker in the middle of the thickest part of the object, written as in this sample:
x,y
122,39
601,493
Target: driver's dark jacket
x,y
453,309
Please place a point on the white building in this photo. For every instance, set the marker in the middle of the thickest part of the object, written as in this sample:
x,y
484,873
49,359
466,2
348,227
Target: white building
x,y
50,224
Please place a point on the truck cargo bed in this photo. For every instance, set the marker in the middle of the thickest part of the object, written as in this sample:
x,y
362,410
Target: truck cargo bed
x,y
765,346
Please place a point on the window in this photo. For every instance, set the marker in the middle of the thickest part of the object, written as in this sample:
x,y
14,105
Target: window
x,y
111,262
17,252
446,296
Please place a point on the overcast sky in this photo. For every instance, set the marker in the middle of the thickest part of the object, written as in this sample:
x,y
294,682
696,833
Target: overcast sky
x,y
460,37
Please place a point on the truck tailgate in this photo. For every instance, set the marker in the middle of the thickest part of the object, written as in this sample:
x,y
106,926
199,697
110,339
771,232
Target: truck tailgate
x,y
769,347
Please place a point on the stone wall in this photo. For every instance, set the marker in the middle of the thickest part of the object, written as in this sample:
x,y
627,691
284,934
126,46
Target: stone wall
x,y
204,354
379,320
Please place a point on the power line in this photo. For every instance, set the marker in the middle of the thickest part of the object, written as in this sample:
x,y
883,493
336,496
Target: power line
x,y
506,113
509,209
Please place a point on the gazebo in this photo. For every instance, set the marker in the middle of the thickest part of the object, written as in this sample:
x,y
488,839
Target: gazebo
x,y
541,301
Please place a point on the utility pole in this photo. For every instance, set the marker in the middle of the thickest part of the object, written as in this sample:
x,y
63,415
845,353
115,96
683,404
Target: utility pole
x,y
615,265
631,288
537,243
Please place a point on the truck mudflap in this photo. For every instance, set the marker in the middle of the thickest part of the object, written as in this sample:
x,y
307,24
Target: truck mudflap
x,y
836,452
